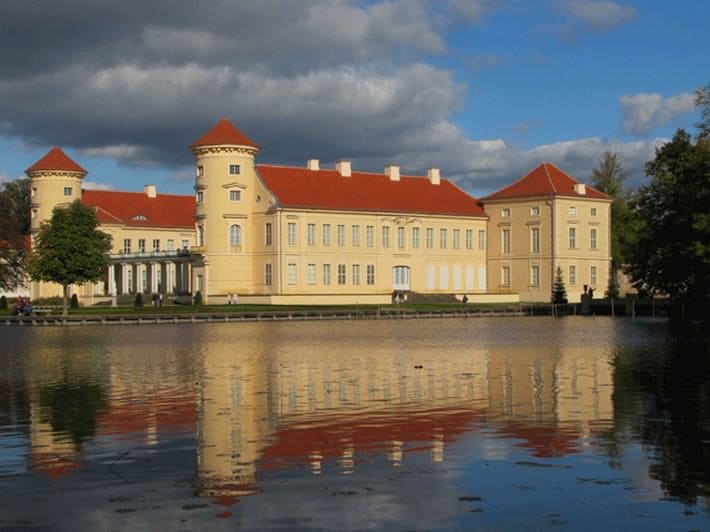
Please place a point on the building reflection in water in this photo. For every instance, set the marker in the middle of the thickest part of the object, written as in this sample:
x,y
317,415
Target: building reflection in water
x,y
319,396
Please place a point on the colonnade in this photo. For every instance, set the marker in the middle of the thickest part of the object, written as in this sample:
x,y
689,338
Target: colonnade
x,y
155,276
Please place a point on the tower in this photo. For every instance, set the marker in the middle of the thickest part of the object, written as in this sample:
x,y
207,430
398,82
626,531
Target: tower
x,y
55,180
227,194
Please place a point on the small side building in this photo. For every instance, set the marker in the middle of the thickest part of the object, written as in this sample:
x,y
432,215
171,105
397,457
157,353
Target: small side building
x,y
545,220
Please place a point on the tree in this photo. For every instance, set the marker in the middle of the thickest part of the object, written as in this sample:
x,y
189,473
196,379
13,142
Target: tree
x,y
14,229
559,292
702,101
609,177
672,252
69,249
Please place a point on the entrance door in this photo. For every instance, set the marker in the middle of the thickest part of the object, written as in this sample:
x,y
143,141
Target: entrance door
x,y
400,277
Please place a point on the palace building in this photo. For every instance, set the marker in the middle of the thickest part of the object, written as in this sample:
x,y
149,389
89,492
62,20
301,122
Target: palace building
x,y
275,234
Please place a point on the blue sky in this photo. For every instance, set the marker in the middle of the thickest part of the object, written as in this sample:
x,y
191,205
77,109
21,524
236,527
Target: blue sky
x,y
484,89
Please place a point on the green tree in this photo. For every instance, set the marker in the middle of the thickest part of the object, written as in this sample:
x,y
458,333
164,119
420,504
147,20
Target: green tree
x,y
672,252
559,292
702,101
14,231
69,249
609,177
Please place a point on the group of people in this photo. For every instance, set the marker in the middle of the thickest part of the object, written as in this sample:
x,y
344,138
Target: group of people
x,y
23,307
157,299
232,298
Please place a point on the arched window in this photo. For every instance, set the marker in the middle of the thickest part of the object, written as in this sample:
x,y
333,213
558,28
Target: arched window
x,y
235,235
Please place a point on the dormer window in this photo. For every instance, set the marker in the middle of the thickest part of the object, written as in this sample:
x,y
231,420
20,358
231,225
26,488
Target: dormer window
x,y
235,195
234,169
139,218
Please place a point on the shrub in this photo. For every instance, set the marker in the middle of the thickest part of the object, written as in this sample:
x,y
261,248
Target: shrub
x,y
138,302
3,302
198,298
74,301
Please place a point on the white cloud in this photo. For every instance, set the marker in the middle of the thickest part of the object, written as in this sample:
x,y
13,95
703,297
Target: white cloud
x,y
644,112
90,185
599,15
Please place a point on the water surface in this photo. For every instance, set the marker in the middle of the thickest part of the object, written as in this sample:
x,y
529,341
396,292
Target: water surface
x,y
487,423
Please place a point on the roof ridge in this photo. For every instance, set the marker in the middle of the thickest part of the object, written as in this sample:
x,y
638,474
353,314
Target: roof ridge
x,y
549,178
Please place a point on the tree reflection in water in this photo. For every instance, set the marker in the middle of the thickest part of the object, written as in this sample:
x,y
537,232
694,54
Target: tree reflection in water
x,y
662,398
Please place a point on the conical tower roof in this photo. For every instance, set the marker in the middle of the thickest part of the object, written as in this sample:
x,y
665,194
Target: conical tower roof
x,y
56,159
222,133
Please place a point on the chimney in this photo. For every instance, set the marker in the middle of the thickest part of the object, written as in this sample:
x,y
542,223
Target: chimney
x,y
392,171
580,188
150,191
344,168
434,176
313,164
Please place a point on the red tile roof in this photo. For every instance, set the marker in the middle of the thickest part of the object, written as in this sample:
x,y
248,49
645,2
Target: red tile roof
x,y
55,159
223,132
544,180
137,209
327,189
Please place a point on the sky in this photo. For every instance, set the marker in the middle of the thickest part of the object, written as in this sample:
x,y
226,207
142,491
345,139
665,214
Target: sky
x,y
483,89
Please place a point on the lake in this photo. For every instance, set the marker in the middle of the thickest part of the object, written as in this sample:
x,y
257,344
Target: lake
x,y
577,423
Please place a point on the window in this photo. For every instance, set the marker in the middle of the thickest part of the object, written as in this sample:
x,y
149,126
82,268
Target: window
x,y
469,238
573,211
534,240
68,191
482,240
126,245
199,196
370,274
141,245
457,239
593,211
505,241
341,273
235,195
200,171
34,192
355,235
34,213
326,234
234,169
268,235
385,236
326,274
572,275
442,238
156,244
535,275
572,237
171,244
311,234
400,237
370,235
593,238
356,274
268,274
311,273
415,237
341,235
535,211
429,237
235,235
593,276
291,233
505,276
185,244
505,213
292,273
200,235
